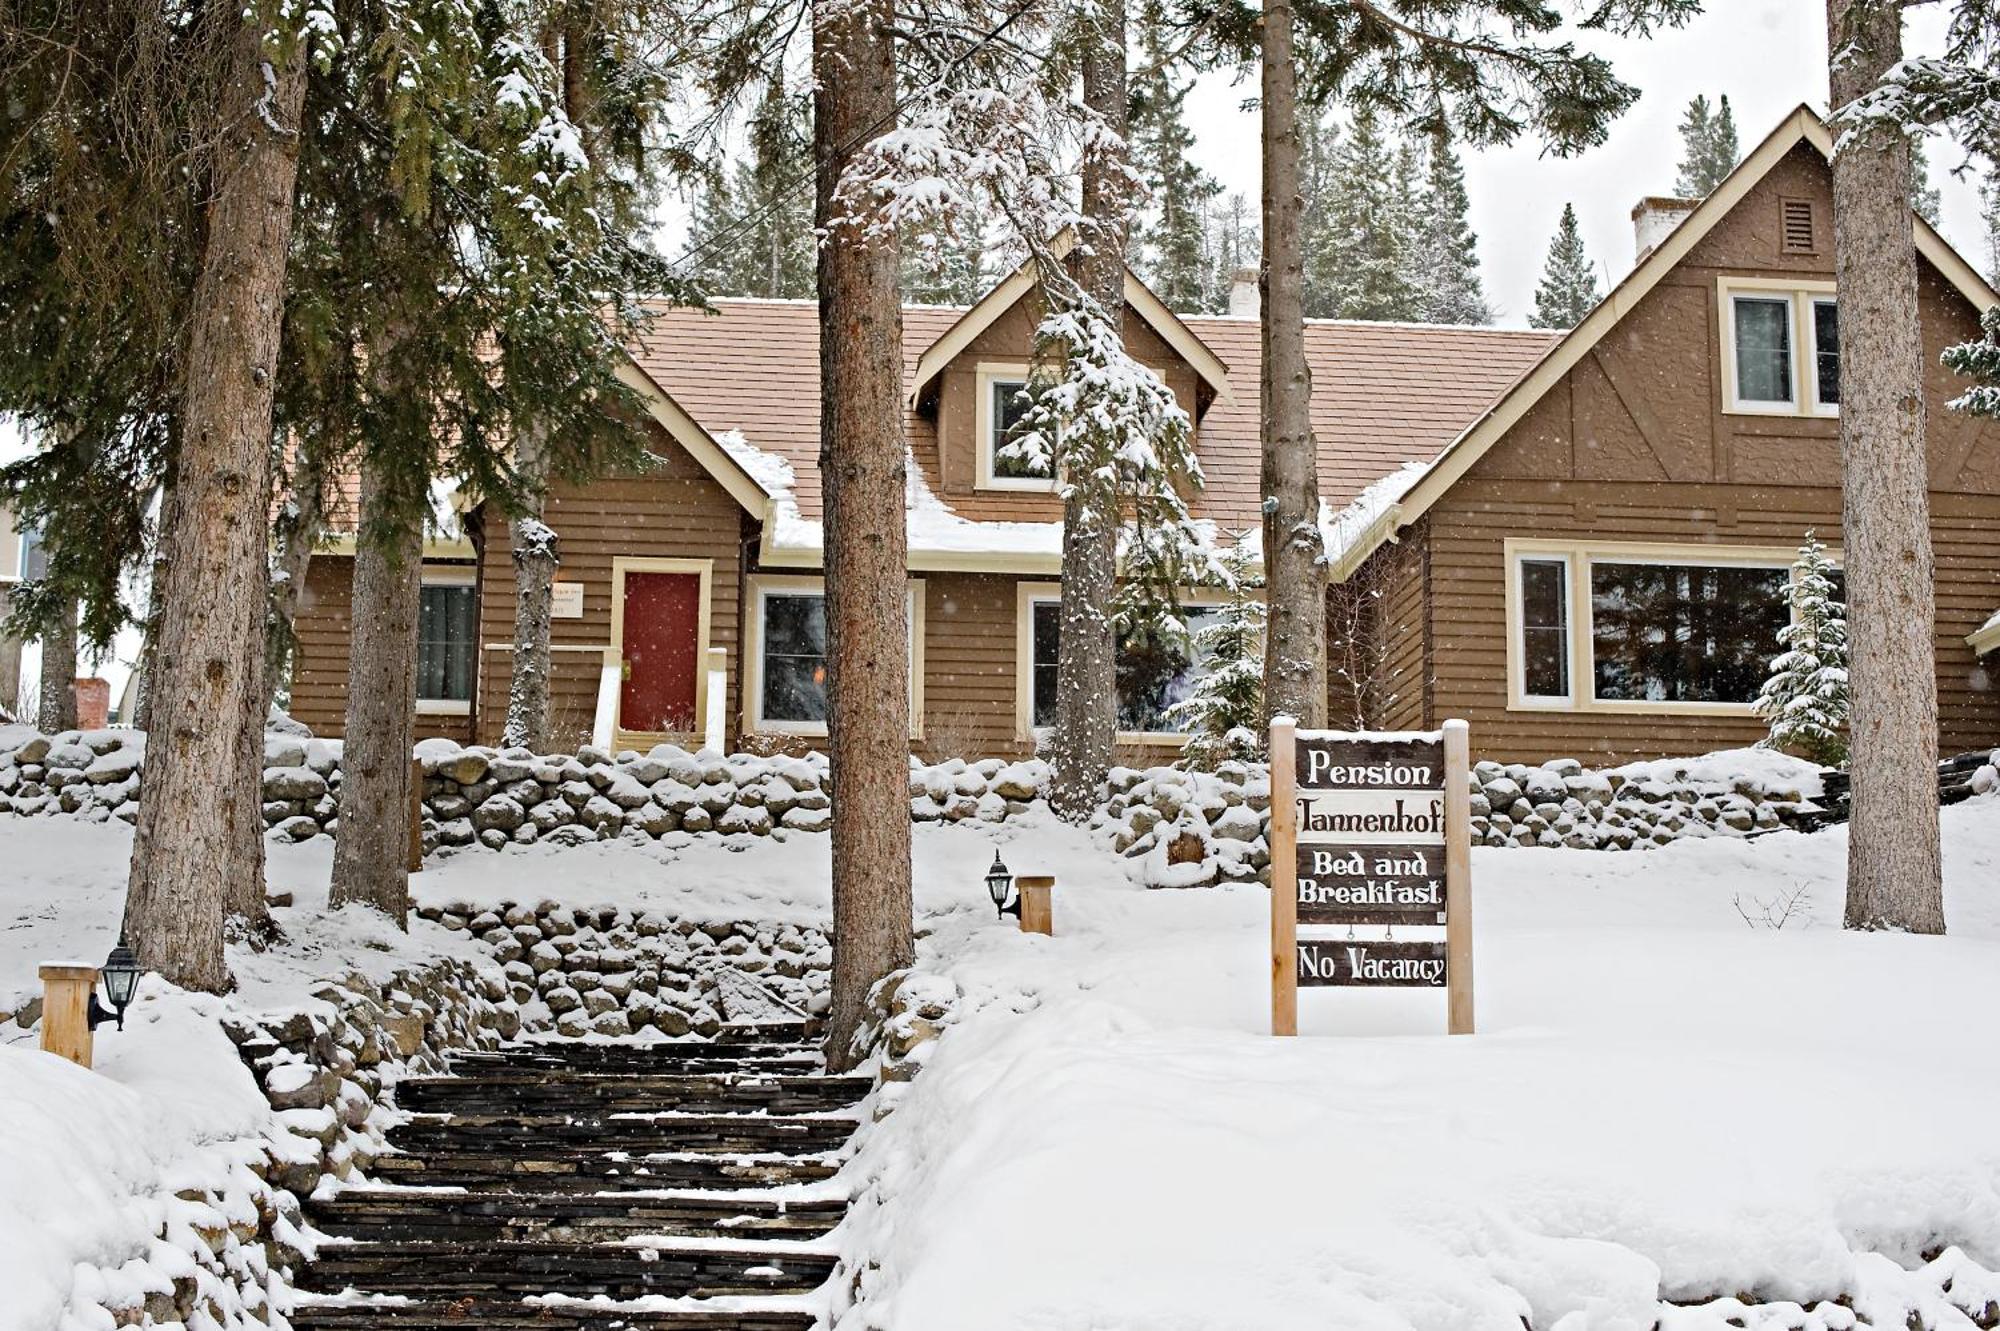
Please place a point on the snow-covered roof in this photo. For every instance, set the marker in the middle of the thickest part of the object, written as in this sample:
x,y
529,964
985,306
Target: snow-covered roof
x,y
744,382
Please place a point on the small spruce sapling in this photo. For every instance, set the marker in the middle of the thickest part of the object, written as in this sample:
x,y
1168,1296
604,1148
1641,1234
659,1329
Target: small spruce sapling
x,y
1805,698
1223,711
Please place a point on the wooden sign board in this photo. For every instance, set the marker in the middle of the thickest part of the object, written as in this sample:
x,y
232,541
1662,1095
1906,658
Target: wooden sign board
x,y
566,600
1377,831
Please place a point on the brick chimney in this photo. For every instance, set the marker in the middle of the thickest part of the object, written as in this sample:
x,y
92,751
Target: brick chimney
x,y
1244,302
1654,219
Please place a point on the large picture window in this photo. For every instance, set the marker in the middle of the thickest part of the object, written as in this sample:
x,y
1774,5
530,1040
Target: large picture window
x,y
1684,632
785,691
1631,627
1780,347
1153,674
447,624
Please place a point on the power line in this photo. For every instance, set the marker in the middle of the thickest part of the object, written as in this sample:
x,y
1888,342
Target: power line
x,y
785,188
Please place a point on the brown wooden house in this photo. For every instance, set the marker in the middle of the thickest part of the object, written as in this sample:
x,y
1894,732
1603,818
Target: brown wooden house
x,y
1540,534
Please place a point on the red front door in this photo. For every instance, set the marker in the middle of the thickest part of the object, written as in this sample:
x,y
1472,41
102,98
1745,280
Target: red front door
x,y
661,653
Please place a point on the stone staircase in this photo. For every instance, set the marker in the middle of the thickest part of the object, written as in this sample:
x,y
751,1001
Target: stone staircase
x,y
559,1186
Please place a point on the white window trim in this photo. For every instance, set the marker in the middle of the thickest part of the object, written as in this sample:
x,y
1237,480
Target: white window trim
x,y
1798,296
1808,303
986,375
1517,632
1027,596
1579,556
764,585
452,575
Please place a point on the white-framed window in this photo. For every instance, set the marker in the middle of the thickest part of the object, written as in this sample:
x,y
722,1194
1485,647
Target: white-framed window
x,y
997,416
1152,674
447,640
1615,626
784,689
1780,347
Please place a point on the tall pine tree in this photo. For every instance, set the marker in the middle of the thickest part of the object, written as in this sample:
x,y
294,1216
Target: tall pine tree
x,y
1568,290
1171,234
1231,243
1445,252
1708,147
1358,261
752,230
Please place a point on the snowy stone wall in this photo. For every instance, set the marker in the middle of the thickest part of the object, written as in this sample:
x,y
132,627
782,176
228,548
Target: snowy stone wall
x,y
1178,828
610,971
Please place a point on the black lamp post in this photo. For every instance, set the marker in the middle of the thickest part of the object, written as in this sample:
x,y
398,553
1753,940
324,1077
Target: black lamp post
x,y
999,886
120,973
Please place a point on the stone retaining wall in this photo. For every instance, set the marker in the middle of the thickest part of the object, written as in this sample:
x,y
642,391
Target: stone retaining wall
x,y
1178,828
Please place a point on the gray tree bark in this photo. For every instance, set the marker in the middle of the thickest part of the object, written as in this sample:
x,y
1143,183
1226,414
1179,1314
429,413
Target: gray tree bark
x,y
1894,876
371,847
862,461
199,845
536,557
55,707
1294,553
1087,661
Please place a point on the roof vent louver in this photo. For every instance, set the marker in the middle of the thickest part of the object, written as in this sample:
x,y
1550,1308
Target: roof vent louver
x,y
1796,225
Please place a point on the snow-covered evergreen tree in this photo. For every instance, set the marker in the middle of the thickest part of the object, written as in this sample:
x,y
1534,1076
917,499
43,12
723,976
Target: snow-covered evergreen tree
x,y
1170,240
1568,290
1925,197
751,233
1445,252
1358,258
1708,147
1223,712
1232,242
1805,699
1978,361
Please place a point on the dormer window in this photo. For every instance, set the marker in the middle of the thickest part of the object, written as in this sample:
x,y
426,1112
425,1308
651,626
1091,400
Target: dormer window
x,y
1002,409
1780,348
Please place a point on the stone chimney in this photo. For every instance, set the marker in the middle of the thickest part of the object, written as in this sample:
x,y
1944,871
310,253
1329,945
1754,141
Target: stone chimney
x,y
1654,219
1244,302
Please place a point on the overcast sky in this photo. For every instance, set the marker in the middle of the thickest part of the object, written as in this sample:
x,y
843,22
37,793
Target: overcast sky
x,y
1767,55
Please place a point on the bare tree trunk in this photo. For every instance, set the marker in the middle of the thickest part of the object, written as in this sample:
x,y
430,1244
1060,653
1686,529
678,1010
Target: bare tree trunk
x,y
1894,878
1295,635
1087,660
371,849
862,461
299,528
199,845
536,558
55,708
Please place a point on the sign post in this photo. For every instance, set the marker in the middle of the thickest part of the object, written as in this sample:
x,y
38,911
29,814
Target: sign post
x,y
1370,831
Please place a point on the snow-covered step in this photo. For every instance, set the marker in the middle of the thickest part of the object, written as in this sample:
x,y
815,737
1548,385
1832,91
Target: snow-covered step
x,y
766,1315
494,1272
587,1187
429,1216
534,1091
519,1170
555,1136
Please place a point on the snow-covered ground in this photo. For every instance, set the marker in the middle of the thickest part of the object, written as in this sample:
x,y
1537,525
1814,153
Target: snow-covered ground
x,y
1665,1102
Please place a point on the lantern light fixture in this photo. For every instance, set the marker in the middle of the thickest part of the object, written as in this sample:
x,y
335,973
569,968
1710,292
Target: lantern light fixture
x,y
999,886
120,973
